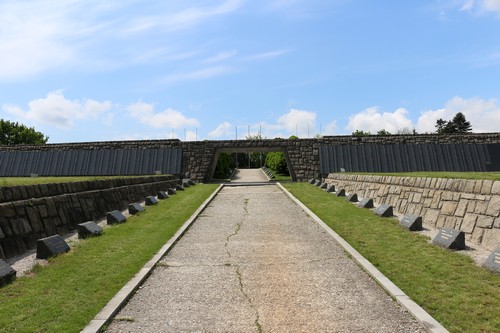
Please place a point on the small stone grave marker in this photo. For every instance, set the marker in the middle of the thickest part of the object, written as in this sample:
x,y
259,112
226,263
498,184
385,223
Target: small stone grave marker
x,y
50,247
411,222
324,185
450,239
162,195
330,188
7,273
366,203
191,182
185,184
179,188
317,182
150,201
352,197
135,208
171,191
115,217
312,181
384,211
89,229
341,193
493,261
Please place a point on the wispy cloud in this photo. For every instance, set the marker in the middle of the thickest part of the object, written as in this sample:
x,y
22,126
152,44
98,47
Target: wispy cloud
x,y
201,74
267,55
38,36
222,56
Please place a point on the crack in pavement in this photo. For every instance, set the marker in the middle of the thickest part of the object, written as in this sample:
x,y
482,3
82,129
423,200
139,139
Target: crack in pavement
x,y
238,271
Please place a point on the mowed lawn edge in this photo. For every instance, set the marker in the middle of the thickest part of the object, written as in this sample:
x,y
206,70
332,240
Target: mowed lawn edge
x,y
448,285
66,295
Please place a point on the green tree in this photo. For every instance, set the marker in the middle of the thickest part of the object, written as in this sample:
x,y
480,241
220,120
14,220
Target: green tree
x,y
383,132
360,133
293,137
13,133
458,125
276,161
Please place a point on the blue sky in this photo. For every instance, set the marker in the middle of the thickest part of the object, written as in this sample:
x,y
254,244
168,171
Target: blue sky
x,y
86,70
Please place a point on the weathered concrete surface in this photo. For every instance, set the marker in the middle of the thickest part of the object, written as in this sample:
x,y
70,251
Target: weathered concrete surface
x,y
248,176
254,261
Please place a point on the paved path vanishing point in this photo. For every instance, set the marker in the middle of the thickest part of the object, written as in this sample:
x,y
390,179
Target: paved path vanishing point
x,y
248,176
255,262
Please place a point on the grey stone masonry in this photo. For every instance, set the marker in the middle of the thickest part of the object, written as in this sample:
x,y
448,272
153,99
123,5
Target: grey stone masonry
x,y
199,158
23,222
472,206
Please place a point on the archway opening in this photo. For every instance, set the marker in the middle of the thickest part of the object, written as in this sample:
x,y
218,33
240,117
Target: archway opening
x,y
227,160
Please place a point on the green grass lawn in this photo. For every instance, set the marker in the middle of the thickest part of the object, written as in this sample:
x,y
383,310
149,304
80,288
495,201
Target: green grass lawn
x,y
66,295
15,181
448,285
455,175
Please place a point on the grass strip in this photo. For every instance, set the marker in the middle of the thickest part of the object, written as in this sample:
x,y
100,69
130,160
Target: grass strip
x,y
66,295
447,175
17,181
448,285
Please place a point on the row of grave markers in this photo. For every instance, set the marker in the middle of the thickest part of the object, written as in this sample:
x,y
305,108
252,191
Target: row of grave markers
x,y
447,237
55,245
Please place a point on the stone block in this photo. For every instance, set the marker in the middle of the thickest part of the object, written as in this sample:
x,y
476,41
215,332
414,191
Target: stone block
x,y
366,203
485,221
411,222
490,238
341,193
450,239
468,223
449,207
7,273
115,217
461,208
481,207
352,197
495,189
384,211
89,229
486,188
493,261
135,208
494,206
151,200
50,247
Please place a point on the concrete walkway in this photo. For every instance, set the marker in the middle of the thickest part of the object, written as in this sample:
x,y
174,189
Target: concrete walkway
x,y
248,176
255,262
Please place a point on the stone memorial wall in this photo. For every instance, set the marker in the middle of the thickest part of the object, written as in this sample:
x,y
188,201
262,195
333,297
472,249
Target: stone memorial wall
x,y
199,158
59,208
472,206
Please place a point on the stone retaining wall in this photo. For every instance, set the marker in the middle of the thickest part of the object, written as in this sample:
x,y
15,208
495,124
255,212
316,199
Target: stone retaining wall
x,y
472,206
54,211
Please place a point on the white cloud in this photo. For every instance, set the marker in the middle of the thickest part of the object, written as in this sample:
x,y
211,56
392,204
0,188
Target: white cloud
x,y
221,131
372,120
168,118
330,128
298,121
484,115
481,6
59,111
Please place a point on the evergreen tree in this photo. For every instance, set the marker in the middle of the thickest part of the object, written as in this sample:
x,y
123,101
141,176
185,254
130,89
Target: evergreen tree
x,y
455,126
